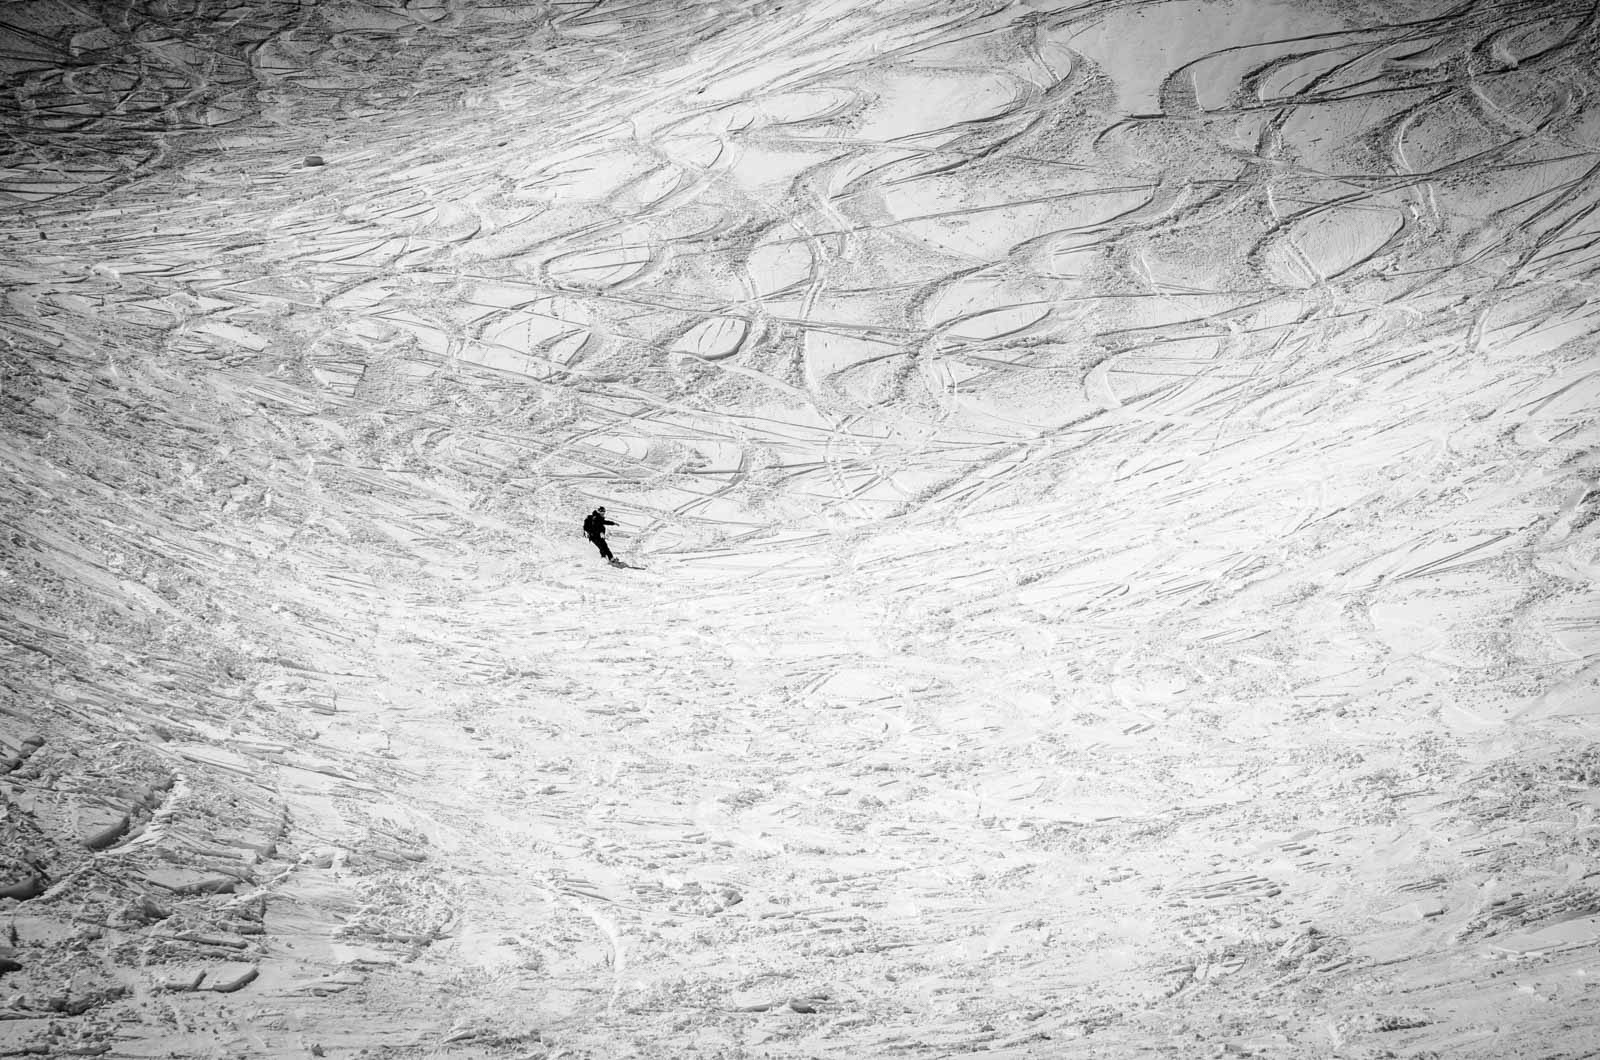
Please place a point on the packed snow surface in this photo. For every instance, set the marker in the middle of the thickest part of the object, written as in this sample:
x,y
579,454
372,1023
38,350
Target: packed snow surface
x,y
1114,487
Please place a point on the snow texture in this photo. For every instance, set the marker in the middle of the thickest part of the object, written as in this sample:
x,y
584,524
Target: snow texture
x,y
1114,482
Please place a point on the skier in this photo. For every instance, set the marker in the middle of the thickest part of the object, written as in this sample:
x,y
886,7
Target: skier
x,y
594,528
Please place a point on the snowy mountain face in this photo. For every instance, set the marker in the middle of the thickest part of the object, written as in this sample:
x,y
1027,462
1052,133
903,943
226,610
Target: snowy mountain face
x,y
1113,489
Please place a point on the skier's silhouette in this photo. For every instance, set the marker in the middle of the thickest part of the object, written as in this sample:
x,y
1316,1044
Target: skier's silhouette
x,y
594,528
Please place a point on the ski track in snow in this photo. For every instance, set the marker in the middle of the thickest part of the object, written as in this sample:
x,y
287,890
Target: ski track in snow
x,y
1116,484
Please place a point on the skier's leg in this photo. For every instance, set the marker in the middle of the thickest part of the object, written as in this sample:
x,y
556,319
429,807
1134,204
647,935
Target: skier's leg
x,y
605,549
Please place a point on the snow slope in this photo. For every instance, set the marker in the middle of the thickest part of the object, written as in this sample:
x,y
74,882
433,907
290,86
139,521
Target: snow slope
x,y
1116,482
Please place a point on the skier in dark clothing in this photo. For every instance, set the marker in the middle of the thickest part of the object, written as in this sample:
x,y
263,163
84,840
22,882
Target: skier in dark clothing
x,y
594,528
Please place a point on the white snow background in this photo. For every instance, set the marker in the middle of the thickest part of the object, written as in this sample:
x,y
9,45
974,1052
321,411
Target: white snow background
x,y
1114,488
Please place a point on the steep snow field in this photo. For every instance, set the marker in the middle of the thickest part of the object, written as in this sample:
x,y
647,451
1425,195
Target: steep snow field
x,y
1115,484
